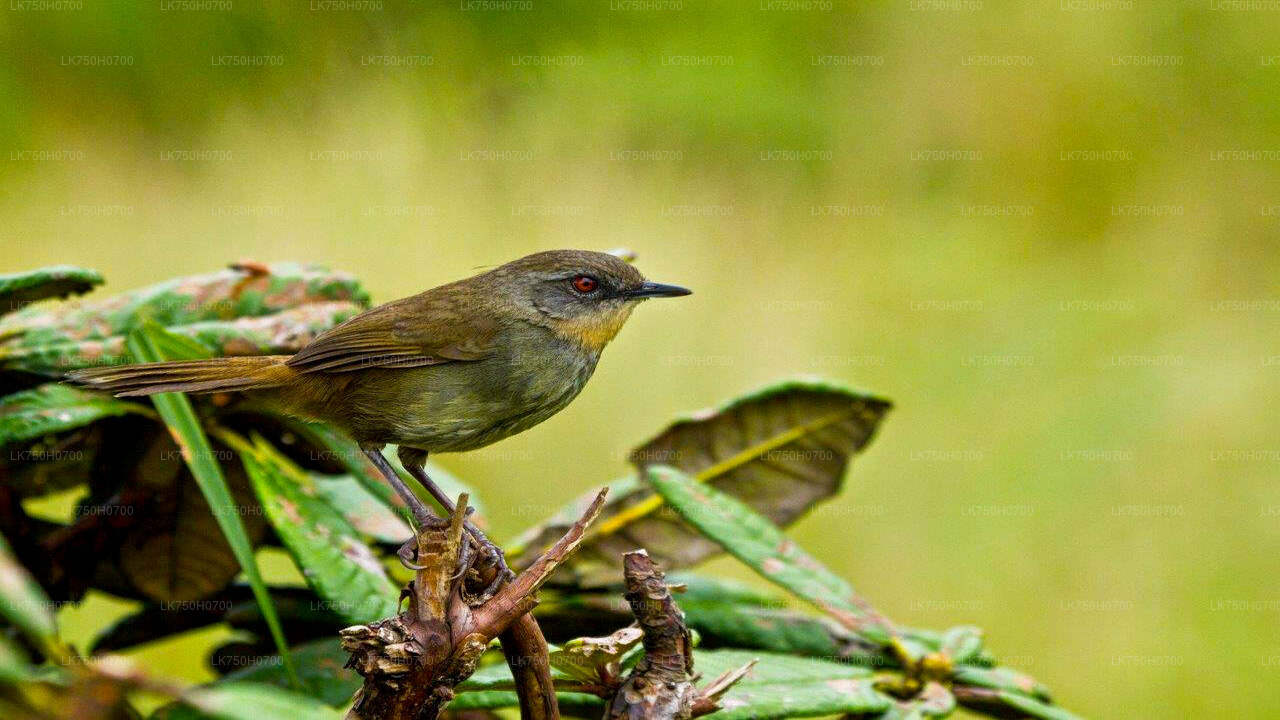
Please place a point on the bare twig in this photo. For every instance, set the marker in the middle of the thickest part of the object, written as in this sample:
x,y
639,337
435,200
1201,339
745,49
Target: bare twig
x,y
661,685
708,700
518,598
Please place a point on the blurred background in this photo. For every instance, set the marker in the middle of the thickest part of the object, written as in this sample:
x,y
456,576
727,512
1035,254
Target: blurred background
x,y
1047,230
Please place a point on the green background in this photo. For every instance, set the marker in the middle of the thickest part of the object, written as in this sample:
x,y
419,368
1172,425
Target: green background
x,y
1046,230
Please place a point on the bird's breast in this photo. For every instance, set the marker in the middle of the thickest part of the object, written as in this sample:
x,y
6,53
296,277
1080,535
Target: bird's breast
x,y
467,405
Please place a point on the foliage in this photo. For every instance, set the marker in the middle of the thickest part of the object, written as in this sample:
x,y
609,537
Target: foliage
x,y
241,477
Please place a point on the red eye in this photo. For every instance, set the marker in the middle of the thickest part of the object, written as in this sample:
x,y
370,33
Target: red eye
x,y
585,284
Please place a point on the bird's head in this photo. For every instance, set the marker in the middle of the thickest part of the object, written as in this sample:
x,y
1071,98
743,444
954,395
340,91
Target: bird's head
x,y
583,296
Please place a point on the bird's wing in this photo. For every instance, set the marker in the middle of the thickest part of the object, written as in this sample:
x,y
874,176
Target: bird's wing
x,y
428,329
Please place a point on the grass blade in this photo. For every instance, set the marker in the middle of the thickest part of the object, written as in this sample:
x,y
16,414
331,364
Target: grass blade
x,y
175,409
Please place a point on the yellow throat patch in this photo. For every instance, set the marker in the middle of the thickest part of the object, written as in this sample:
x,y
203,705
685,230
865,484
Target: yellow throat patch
x,y
595,331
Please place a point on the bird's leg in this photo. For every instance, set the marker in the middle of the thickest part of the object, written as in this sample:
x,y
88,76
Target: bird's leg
x,y
413,460
408,552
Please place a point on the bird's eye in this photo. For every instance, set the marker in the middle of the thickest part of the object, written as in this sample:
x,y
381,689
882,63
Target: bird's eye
x,y
585,284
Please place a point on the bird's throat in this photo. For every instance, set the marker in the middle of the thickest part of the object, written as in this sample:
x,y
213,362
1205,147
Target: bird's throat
x,y
595,331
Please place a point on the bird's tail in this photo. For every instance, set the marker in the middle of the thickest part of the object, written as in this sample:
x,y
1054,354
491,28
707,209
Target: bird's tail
x,y
225,374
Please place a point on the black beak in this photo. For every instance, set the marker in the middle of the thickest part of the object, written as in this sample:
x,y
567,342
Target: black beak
x,y
653,289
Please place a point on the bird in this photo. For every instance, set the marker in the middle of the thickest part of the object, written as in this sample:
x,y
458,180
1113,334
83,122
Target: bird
x,y
451,369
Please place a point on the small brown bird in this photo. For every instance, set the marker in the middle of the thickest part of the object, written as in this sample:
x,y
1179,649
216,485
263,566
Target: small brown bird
x,y
454,368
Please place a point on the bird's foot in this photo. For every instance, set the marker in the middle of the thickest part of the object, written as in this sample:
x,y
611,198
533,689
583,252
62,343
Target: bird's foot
x,y
491,556
408,554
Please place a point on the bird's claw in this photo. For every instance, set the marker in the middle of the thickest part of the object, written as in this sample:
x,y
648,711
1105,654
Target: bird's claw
x,y
491,556
408,554
464,560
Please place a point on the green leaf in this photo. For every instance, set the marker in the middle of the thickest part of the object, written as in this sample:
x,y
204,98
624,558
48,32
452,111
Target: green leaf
x,y
732,614
595,659
15,666
756,541
54,408
1001,679
20,289
766,624
366,512
782,686
778,686
284,332
780,451
338,446
23,602
934,700
1009,703
773,668
962,643
491,688
572,704
224,295
146,345
335,561
497,676
247,701
320,668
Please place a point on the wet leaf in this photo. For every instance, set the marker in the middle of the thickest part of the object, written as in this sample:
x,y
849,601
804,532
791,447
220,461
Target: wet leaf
x,y
780,450
223,295
23,602
175,409
284,333
759,544
19,289
54,408
337,564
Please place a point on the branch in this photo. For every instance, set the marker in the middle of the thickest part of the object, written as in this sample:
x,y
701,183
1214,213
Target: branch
x,y
517,598
412,662
526,652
